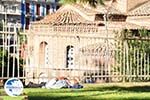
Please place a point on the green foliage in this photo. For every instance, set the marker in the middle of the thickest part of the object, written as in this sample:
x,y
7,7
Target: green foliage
x,y
4,63
133,54
92,3
3,57
1,26
67,1
23,39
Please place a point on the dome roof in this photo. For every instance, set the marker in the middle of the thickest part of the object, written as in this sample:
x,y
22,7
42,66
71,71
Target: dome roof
x,y
68,14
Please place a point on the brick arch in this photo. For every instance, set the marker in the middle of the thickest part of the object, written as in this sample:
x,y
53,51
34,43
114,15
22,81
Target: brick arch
x,y
42,53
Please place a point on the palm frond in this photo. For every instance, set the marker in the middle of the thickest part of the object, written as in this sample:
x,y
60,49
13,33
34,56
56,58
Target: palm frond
x,y
92,3
95,3
67,1
101,2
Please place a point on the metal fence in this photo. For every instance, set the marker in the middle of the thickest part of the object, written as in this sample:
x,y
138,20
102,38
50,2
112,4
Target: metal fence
x,y
10,62
134,59
91,59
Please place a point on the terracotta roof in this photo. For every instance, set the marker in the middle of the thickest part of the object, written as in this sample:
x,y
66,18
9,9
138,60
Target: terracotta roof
x,y
67,14
123,25
144,9
75,14
109,10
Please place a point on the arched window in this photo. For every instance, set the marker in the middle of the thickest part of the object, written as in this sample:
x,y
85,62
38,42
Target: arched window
x,y
43,54
70,57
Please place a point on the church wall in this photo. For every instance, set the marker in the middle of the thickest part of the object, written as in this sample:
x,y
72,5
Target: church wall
x,y
139,20
57,44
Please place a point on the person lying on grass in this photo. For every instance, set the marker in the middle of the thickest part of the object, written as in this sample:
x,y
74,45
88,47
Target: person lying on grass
x,y
63,82
57,83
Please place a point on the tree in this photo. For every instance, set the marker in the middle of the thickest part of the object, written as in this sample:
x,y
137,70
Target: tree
x,y
3,57
92,3
4,63
132,56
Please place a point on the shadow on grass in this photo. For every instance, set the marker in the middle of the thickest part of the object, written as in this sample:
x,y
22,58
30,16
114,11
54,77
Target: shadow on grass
x,y
119,88
86,93
63,98
48,98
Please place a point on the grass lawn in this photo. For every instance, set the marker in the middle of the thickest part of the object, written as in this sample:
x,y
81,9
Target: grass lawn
x,y
119,91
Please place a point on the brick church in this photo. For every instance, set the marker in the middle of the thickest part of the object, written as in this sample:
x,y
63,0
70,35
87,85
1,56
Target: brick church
x,y
77,38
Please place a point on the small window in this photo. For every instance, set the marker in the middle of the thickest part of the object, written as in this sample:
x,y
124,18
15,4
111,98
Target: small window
x,y
70,57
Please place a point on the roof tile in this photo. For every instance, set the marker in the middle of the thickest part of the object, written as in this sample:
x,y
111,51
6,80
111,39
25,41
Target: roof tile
x,y
142,10
65,15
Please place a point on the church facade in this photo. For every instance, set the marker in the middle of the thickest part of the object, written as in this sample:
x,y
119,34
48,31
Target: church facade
x,y
79,40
